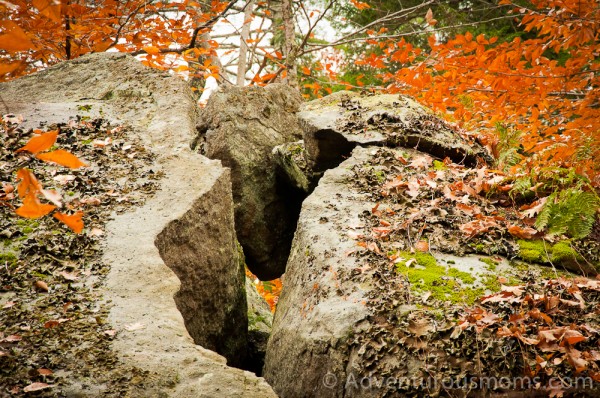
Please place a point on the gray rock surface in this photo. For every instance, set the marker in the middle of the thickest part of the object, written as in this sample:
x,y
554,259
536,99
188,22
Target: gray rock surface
x,y
260,322
316,316
293,168
241,126
141,286
346,313
335,124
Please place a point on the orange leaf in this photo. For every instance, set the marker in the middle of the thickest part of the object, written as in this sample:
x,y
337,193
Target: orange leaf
x,y
151,49
72,221
14,38
33,208
49,8
7,68
29,185
40,142
62,157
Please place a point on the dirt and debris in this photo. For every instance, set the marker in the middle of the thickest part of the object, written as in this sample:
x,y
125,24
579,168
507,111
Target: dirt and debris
x,y
54,329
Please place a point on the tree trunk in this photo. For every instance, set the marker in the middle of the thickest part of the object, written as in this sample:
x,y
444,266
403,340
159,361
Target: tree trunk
x,y
290,50
242,60
198,80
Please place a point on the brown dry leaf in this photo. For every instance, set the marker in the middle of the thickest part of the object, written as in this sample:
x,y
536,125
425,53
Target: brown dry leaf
x,y
420,327
422,246
41,286
534,208
51,324
37,387
8,304
134,326
13,338
53,196
69,276
96,232
573,337
64,179
421,162
523,233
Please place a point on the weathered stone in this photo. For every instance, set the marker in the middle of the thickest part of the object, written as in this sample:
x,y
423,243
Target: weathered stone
x,y
260,321
335,124
201,248
350,319
315,317
292,166
192,209
241,126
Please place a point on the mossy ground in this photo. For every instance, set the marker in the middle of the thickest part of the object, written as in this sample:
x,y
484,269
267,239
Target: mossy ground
x,y
425,274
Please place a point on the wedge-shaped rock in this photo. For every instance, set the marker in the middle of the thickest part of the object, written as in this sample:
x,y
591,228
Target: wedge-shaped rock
x,y
335,124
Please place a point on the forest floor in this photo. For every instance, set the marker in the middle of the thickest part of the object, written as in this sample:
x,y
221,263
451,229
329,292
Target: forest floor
x,y
53,329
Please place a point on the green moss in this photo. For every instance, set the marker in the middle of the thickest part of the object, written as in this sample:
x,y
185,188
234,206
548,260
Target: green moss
x,y
491,283
533,251
8,258
463,276
491,264
479,248
563,252
426,275
380,175
540,252
439,166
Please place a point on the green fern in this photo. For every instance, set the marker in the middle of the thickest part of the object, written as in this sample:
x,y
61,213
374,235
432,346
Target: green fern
x,y
509,147
570,211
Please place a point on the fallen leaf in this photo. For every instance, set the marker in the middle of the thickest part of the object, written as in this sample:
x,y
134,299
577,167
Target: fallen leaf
x,y
41,286
37,387
420,327
69,276
51,324
40,142
420,162
63,158
422,246
13,338
523,233
73,221
134,326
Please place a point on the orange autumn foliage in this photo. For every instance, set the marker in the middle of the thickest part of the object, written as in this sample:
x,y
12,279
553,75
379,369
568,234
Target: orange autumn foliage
x,y
546,88
40,33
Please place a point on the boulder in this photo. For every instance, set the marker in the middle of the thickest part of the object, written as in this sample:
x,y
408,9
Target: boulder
x,y
175,278
387,257
335,124
240,127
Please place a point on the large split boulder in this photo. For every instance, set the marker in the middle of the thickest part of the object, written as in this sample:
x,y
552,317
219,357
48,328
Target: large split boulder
x,y
175,291
241,126
390,248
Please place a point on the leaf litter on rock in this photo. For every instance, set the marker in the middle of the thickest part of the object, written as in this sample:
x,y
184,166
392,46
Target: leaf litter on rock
x,y
50,282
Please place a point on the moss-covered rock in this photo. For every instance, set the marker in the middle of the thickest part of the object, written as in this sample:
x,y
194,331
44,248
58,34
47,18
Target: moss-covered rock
x,y
561,254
